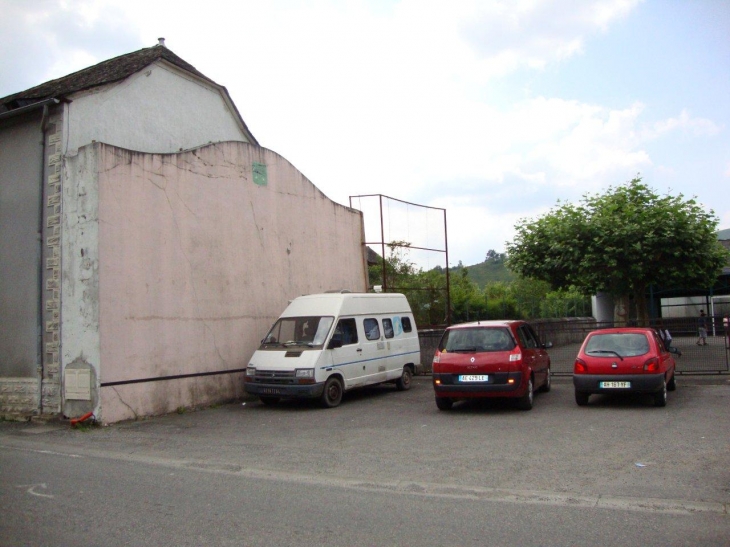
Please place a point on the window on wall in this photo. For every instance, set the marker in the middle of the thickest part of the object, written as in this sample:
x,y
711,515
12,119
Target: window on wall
x,y
372,329
388,328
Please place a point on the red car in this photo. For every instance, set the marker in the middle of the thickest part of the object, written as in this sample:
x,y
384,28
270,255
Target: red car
x,y
623,360
490,359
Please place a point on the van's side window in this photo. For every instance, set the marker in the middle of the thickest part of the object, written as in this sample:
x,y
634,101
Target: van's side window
x,y
372,329
346,331
388,328
406,321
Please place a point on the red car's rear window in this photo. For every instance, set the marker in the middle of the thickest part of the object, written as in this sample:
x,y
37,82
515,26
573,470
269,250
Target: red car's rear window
x,y
622,344
477,339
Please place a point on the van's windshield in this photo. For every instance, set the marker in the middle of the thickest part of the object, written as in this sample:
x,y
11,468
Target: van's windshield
x,y
308,332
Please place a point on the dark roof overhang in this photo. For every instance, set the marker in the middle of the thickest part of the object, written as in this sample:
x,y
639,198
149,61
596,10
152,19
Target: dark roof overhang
x,y
19,111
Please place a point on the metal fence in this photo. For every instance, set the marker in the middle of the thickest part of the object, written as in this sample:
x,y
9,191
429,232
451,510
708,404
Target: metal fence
x,y
567,335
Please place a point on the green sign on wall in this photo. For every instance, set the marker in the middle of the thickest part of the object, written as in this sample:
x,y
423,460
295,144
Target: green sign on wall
x,y
259,174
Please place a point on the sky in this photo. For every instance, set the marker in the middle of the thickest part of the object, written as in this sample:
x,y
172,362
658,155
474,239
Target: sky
x,y
492,110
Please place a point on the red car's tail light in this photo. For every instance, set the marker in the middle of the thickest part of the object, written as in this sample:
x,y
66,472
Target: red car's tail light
x,y
652,365
580,367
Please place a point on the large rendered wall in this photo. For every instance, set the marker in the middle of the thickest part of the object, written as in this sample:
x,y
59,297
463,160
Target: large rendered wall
x,y
194,262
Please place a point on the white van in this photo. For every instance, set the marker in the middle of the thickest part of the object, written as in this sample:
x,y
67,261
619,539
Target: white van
x,y
325,344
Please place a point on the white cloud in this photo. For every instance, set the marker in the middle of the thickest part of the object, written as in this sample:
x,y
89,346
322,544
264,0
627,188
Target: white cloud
x,y
696,126
533,33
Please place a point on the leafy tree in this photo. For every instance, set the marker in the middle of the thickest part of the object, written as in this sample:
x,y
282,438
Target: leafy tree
x,y
467,302
428,299
565,303
620,242
399,271
425,291
494,256
529,295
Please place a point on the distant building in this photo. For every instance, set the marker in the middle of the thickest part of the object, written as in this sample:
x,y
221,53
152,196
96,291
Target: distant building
x,y
148,241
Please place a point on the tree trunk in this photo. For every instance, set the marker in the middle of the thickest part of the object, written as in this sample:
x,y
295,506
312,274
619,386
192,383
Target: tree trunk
x,y
642,310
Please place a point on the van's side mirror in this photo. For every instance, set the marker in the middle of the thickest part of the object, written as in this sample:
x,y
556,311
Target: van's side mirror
x,y
334,343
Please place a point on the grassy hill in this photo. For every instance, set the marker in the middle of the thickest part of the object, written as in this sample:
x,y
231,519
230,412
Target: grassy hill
x,y
490,270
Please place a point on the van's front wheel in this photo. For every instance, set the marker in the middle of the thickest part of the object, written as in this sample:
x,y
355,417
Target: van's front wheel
x,y
332,394
404,382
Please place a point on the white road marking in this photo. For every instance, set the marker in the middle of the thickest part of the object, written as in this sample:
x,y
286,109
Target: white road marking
x,y
32,487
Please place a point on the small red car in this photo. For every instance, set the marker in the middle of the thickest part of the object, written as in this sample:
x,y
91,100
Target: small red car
x,y
623,360
490,359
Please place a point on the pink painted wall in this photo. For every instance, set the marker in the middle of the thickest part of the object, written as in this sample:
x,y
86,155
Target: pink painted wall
x,y
195,261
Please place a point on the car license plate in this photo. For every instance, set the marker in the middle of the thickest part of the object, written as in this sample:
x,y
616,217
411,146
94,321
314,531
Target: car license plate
x,y
610,385
473,378
271,391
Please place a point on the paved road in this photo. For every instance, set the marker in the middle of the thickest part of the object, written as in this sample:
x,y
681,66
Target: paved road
x,y
385,468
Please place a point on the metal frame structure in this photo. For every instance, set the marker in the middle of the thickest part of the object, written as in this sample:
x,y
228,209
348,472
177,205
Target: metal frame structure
x,y
383,244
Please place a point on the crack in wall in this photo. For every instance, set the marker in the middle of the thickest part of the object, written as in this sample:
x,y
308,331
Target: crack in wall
x,y
121,400
179,161
259,229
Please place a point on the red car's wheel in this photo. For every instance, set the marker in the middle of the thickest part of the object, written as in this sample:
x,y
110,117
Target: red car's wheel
x,y
525,402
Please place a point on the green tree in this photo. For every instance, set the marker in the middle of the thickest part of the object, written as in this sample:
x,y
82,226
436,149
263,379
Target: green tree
x,y
620,242
399,270
529,295
494,256
467,303
428,299
425,291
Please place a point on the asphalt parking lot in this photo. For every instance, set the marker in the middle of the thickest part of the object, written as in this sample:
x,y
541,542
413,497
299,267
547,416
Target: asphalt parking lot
x,y
396,470
614,449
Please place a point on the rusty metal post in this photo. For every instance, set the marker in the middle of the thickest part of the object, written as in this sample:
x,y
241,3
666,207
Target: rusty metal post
x,y
448,286
382,246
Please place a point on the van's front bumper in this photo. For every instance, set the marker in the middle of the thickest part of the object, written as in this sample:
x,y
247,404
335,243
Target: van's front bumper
x,y
306,391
